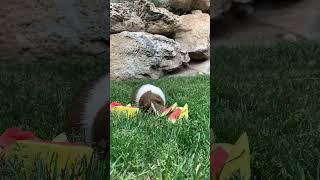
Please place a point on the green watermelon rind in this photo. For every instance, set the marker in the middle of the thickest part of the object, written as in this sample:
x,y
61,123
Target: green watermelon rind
x,y
169,109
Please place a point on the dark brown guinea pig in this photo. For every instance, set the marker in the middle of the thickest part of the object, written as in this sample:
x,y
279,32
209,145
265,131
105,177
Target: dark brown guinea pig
x,y
149,98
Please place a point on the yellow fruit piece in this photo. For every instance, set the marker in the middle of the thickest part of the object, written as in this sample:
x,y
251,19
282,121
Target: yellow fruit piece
x,y
184,113
128,110
67,156
239,158
60,138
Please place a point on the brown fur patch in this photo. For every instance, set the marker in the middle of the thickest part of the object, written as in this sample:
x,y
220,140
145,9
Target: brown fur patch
x,y
101,121
147,98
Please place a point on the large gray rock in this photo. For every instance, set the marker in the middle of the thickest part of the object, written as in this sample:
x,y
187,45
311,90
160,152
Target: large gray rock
x,y
222,6
189,5
141,15
193,34
31,30
242,1
219,7
136,55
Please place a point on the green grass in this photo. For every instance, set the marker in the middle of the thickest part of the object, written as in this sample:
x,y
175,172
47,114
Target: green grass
x,y
36,96
151,146
272,94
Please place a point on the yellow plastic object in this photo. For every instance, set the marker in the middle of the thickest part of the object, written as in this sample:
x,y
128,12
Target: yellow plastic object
x,y
67,156
185,112
239,159
128,110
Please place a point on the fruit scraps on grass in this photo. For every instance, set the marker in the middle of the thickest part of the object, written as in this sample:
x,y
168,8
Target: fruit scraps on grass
x,y
173,112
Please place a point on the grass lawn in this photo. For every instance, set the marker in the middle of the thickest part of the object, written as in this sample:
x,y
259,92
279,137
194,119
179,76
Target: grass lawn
x,y
151,146
272,94
36,97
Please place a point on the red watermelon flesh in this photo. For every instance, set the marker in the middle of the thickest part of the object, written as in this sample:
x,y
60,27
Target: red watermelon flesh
x,y
175,115
13,134
218,157
168,109
113,104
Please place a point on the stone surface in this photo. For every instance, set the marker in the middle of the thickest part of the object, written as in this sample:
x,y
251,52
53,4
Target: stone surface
x,y
242,1
219,7
194,69
141,15
271,23
193,34
189,5
136,55
32,30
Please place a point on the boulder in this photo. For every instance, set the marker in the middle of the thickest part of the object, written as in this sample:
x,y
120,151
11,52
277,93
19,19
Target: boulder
x,y
33,30
136,55
189,5
193,34
242,1
141,15
219,7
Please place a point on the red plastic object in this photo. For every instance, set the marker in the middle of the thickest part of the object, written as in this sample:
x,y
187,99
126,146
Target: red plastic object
x,y
113,104
218,157
13,134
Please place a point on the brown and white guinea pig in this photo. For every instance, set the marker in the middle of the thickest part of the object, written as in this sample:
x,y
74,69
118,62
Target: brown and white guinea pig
x,y
149,98
89,113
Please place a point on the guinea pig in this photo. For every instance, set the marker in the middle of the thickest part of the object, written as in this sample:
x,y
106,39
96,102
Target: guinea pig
x,y
89,113
149,98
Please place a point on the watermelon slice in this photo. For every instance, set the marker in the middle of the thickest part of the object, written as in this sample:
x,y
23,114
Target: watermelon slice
x,y
174,116
169,109
218,158
179,113
114,104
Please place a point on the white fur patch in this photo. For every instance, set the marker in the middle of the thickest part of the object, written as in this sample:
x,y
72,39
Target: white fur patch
x,y
148,87
96,99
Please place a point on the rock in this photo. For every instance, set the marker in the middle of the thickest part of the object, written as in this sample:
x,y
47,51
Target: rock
x,y
136,55
141,15
288,37
242,1
194,69
184,5
33,30
219,7
242,10
189,5
203,5
193,34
